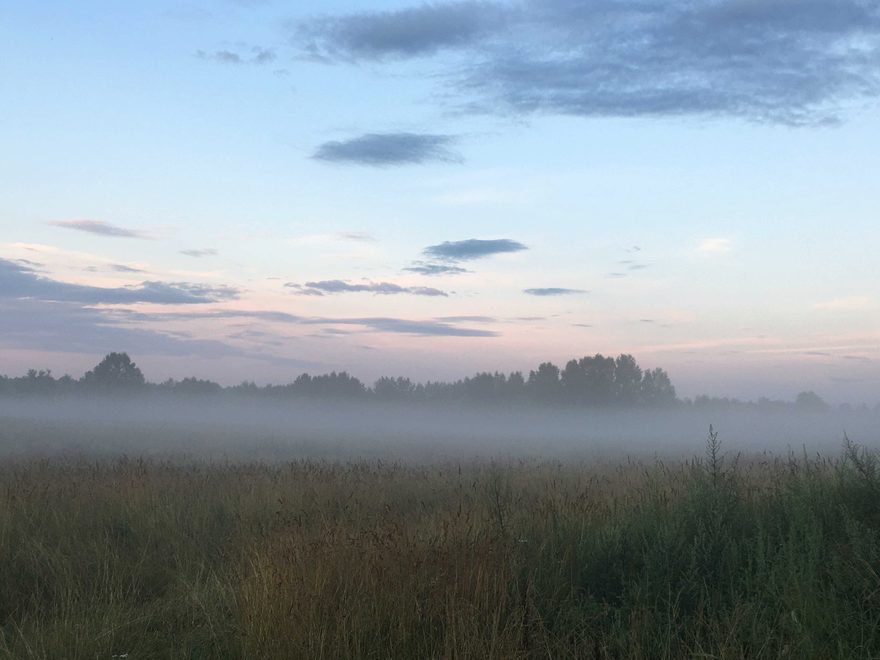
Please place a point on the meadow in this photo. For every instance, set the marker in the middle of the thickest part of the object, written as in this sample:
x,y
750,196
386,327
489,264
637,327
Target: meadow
x,y
164,555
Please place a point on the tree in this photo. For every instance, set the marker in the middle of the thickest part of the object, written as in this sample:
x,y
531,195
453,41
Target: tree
x,y
573,381
598,379
544,383
810,401
516,386
393,389
38,382
190,386
332,385
485,387
627,380
117,373
657,389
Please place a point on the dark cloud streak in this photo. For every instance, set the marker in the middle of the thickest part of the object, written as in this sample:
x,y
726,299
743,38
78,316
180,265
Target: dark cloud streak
x,y
438,327
18,282
431,269
329,287
773,61
256,55
389,149
409,32
408,327
99,228
197,254
69,327
472,248
553,291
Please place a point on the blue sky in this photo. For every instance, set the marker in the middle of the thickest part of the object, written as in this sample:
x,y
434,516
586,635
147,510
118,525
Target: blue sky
x,y
251,189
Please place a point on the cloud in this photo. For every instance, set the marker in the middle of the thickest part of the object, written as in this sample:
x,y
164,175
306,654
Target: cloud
x,y
99,228
418,328
357,236
408,32
255,55
28,262
335,237
18,282
197,254
472,248
122,268
789,62
468,318
553,291
259,315
325,287
847,304
116,268
387,149
262,55
432,269
442,327
714,245
72,328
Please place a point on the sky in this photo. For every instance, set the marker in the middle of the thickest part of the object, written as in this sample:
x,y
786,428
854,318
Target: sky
x,y
249,189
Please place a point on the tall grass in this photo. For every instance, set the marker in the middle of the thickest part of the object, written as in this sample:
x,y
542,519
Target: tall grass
x,y
761,557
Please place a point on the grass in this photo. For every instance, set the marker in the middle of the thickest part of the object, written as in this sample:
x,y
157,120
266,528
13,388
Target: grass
x,y
713,557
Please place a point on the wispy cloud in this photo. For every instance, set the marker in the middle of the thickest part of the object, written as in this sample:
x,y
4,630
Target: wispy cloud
x,y
439,327
364,238
329,287
553,291
778,61
99,228
197,254
389,149
254,55
357,236
714,245
70,327
122,268
433,269
18,281
418,328
468,318
407,32
472,248
847,304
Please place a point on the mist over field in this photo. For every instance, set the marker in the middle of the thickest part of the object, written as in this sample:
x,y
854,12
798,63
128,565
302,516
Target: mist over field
x,y
269,430
577,512
460,329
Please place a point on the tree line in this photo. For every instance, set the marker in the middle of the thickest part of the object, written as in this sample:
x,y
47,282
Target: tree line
x,y
591,381
596,380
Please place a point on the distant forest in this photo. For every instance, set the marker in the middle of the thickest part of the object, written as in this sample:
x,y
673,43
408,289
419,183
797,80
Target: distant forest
x,y
592,381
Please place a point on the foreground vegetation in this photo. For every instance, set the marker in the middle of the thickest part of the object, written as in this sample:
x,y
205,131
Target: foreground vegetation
x,y
761,558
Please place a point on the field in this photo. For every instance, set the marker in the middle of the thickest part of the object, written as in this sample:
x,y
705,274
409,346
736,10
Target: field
x,y
715,556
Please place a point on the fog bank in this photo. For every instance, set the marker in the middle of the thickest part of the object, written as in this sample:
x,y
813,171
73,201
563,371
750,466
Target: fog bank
x,y
261,430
